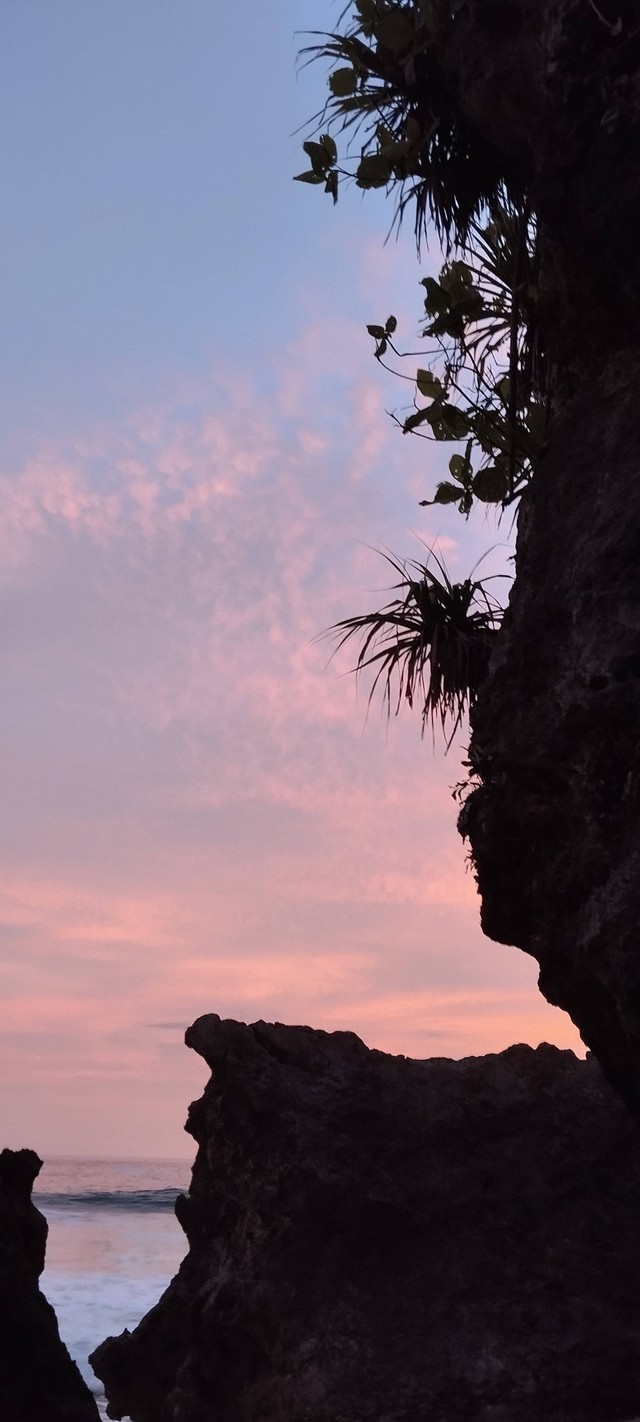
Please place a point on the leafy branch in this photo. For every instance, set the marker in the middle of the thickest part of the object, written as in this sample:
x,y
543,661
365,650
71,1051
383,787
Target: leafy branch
x,y
483,380
387,87
484,385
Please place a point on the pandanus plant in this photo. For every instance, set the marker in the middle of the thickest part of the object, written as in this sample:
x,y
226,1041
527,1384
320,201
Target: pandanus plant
x,y
430,645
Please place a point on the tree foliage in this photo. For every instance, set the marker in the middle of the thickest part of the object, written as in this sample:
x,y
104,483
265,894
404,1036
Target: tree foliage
x,y
388,89
481,384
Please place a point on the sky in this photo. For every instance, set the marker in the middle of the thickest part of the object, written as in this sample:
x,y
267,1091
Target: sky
x,y
197,475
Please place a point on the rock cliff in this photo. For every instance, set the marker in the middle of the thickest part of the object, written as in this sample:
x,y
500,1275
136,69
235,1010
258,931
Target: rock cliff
x,y
376,1239
38,1380
554,823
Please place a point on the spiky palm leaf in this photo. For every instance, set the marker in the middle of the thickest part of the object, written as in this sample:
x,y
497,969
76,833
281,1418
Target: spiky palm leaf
x,y
431,643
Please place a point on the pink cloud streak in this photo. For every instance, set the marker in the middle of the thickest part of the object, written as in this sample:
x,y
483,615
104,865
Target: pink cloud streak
x,y
201,817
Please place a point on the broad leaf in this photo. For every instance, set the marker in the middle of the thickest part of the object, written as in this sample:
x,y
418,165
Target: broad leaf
x,y
309,177
329,145
448,422
318,155
367,14
460,468
436,300
490,431
385,137
417,418
342,82
374,171
456,275
428,384
491,485
331,185
446,494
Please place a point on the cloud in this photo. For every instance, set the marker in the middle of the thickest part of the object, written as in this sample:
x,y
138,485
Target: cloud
x,y
199,815
168,1026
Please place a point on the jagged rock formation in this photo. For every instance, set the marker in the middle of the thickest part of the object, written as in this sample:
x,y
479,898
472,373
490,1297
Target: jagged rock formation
x,y
548,94
554,824
375,1239
38,1380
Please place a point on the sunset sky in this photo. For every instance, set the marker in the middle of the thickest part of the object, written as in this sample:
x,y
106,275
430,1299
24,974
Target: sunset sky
x,y
196,469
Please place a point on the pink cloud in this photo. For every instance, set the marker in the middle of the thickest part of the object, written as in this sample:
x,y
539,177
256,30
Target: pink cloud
x,y
201,815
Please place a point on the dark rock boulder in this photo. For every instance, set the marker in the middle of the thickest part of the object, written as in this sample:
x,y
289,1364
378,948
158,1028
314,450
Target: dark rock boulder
x,y
38,1380
376,1239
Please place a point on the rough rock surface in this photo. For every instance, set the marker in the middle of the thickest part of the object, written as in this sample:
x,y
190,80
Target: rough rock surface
x,y
376,1239
38,1380
554,824
554,87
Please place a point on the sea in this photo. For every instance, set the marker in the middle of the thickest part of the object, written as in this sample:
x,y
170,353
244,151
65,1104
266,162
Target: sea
x,y
113,1246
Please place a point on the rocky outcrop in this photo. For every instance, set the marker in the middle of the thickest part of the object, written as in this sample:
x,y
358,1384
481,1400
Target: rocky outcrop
x,y
38,1380
376,1239
554,823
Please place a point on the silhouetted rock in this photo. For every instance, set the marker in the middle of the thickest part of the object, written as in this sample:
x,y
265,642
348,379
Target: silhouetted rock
x,y
554,824
376,1239
38,1380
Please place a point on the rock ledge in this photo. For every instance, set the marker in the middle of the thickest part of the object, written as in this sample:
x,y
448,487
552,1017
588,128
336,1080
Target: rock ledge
x,y
376,1239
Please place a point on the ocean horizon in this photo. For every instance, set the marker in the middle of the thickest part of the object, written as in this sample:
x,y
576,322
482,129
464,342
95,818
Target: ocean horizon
x,y
113,1246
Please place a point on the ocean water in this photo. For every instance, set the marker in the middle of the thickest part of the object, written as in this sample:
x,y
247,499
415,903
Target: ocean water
x,y
114,1244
